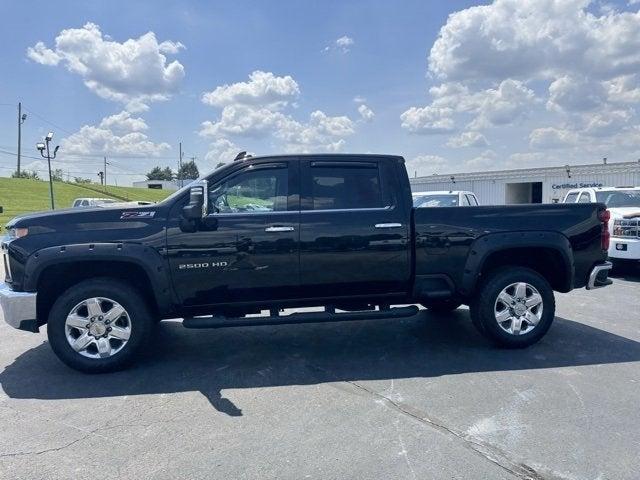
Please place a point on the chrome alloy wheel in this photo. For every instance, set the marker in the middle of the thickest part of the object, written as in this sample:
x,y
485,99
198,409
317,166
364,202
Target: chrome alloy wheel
x,y
98,327
518,308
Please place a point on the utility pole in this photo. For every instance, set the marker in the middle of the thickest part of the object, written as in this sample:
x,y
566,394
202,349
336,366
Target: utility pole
x,y
105,171
180,165
41,147
21,118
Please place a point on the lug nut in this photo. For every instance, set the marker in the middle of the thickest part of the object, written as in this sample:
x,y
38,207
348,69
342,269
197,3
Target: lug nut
x,y
100,317
109,329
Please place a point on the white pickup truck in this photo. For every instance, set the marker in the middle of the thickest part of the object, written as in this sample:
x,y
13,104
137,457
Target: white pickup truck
x,y
624,205
448,198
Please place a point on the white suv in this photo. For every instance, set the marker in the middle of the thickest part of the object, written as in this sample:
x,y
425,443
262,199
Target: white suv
x,y
444,199
624,226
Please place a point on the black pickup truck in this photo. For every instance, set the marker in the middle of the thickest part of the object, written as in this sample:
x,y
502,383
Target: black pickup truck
x,y
264,234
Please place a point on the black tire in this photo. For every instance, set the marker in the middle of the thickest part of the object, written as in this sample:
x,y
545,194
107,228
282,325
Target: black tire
x,y
483,313
442,306
141,324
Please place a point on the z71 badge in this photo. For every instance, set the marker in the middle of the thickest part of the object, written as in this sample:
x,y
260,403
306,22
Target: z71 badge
x,y
129,214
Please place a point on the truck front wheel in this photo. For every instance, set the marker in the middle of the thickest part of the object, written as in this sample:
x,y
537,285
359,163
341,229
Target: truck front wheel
x,y
514,307
99,325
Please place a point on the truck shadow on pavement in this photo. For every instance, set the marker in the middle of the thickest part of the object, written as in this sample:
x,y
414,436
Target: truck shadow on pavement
x,y
211,361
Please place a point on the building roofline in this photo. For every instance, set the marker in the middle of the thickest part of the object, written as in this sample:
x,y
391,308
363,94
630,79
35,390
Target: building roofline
x,y
524,171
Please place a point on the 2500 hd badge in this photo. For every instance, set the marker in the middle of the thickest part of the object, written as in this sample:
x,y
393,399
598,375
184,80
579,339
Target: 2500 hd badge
x,y
188,266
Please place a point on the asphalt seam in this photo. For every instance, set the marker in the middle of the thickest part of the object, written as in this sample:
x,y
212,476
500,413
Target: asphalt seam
x,y
487,452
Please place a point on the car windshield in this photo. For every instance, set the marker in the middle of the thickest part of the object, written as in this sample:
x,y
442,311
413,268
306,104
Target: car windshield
x,y
444,200
619,198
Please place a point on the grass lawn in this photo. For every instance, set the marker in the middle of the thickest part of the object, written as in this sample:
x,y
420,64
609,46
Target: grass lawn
x,y
20,195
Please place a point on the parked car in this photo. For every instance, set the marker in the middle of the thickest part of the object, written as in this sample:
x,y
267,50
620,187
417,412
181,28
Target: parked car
x,y
334,231
444,199
92,202
624,205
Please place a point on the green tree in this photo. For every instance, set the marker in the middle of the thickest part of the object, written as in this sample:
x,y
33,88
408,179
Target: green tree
x,y
57,175
81,180
188,171
157,173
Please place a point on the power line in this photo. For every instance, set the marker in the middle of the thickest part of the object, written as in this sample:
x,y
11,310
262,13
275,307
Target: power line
x,y
47,121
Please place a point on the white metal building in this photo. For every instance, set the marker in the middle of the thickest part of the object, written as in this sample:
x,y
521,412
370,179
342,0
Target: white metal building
x,y
162,184
532,185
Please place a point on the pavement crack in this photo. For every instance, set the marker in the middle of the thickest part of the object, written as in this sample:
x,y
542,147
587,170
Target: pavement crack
x,y
46,450
487,452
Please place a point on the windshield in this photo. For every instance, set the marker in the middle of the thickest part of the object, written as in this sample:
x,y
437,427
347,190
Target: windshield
x,y
619,198
444,200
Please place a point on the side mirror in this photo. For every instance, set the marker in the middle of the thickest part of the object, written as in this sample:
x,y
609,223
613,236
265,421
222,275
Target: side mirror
x,y
197,206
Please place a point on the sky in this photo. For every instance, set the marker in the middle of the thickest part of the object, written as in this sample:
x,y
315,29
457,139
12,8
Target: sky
x,y
452,86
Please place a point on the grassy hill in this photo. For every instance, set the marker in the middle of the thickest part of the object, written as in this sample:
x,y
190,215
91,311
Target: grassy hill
x,y
19,195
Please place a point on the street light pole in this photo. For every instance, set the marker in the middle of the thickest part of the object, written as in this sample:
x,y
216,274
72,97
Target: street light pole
x,y
21,118
41,147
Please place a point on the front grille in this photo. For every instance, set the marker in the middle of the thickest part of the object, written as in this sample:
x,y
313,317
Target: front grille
x,y
626,228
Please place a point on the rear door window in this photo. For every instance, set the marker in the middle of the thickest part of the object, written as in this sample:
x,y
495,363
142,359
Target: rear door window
x,y
348,186
472,200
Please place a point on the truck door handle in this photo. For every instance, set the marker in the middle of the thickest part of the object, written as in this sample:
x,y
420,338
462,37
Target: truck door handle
x,y
279,229
388,225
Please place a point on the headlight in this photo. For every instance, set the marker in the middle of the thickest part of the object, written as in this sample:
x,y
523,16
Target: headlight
x,y
18,232
626,228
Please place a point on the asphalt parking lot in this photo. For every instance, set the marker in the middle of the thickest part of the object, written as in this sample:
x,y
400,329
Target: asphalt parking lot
x,y
424,397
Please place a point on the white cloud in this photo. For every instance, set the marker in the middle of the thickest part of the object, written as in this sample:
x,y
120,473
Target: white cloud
x,y
359,99
501,64
486,159
535,38
506,103
221,150
623,89
428,120
118,134
468,139
342,45
134,72
366,113
550,137
123,122
257,109
426,165
571,94
263,89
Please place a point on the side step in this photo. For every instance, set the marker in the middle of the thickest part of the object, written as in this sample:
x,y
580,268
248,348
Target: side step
x,y
304,317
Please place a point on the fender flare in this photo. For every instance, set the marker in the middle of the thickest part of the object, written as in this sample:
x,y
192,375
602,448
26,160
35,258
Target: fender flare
x,y
488,244
147,258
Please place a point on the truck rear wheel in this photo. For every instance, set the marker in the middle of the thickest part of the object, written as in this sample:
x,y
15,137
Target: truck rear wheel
x,y
99,325
514,307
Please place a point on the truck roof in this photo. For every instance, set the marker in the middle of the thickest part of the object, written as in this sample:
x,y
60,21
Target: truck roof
x,y
333,156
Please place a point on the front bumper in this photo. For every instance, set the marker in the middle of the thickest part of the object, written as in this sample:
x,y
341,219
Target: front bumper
x,y
624,248
598,277
19,308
